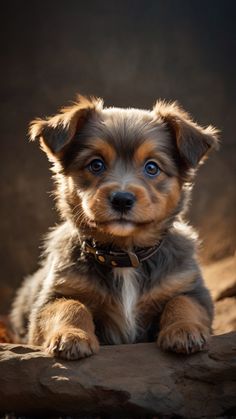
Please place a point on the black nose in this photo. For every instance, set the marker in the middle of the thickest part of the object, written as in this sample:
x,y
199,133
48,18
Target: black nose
x,y
122,201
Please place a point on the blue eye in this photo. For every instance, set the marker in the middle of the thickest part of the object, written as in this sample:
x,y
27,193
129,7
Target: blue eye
x,y
96,166
152,169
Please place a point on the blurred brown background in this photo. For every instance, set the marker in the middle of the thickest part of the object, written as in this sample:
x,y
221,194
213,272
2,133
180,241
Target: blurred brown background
x,y
130,53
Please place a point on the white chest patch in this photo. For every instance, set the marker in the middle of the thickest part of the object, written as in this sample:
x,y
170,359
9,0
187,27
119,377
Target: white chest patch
x,y
129,297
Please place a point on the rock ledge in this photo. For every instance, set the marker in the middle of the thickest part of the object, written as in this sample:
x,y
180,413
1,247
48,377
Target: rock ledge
x,y
121,381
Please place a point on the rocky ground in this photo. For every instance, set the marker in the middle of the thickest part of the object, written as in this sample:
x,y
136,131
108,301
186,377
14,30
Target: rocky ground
x,y
220,277
124,381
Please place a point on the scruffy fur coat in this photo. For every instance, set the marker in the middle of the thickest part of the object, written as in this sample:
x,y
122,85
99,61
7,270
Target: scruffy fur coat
x,y
73,303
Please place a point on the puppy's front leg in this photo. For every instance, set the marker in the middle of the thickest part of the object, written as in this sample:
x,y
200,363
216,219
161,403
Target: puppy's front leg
x,y
184,326
65,329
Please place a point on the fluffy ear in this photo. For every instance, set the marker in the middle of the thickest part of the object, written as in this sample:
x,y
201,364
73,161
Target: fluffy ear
x,y
56,132
192,140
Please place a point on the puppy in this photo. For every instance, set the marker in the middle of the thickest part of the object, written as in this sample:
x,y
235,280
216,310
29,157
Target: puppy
x,y
121,267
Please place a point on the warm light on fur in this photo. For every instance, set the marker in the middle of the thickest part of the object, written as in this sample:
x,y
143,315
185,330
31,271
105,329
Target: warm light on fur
x,y
82,302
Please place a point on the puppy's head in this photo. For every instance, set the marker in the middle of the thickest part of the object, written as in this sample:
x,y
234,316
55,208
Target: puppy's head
x,y
121,172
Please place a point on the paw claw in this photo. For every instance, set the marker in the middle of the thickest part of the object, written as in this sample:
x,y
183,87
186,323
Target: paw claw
x,y
74,344
183,337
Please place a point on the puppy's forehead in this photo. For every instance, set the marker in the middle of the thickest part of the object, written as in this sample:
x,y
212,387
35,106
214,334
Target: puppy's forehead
x,y
127,129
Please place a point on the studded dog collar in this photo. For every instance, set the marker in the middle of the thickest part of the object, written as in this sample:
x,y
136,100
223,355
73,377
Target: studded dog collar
x,y
121,258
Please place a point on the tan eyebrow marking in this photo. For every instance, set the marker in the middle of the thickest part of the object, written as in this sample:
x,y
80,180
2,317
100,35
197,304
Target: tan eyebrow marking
x,y
96,147
144,151
149,150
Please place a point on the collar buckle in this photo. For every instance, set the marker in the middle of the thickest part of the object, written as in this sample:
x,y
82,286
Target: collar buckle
x,y
133,259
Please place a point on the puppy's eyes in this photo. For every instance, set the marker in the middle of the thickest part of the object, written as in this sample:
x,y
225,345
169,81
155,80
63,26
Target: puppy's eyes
x,y
96,166
152,169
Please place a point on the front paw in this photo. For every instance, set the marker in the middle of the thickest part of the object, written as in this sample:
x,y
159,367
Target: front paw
x,y
72,344
184,337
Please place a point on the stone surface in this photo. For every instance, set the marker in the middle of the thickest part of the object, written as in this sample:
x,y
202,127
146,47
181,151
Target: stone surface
x,y
121,381
225,316
220,278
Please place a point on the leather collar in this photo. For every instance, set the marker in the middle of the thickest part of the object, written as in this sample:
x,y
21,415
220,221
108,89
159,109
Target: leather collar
x,y
121,258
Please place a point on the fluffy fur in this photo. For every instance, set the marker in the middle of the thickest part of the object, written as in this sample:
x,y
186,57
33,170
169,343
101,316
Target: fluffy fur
x,y
73,303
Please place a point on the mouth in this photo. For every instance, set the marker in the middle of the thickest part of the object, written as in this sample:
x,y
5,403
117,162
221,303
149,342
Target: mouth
x,y
122,222
120,226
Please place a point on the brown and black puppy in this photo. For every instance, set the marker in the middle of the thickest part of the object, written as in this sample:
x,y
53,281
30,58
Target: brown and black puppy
x,y
121,267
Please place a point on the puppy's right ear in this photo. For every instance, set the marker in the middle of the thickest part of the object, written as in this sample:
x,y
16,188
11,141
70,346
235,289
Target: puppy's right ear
x,y
193,141
57,132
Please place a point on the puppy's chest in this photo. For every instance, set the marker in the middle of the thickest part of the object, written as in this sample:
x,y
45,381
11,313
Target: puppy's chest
x,y
127,281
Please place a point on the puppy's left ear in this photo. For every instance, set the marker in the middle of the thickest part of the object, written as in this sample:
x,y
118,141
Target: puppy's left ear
x,y
192,140
56,132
